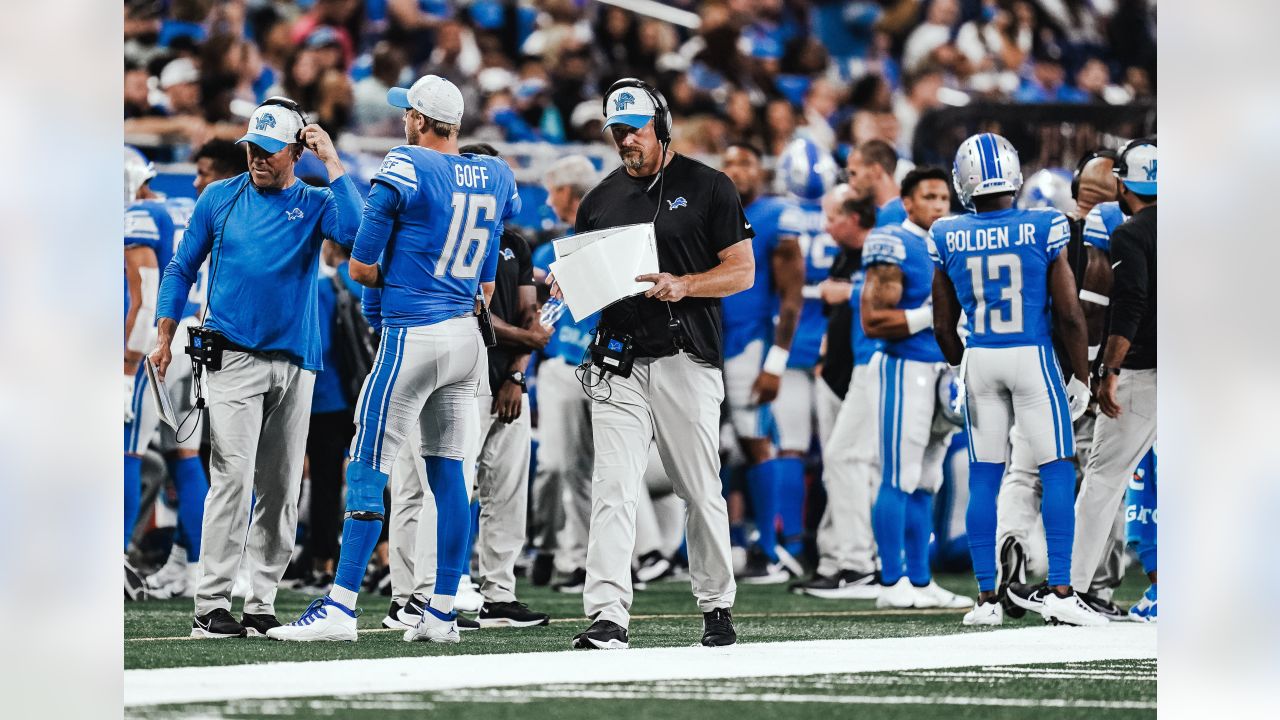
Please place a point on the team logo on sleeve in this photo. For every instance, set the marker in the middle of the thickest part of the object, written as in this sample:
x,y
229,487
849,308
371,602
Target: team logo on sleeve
x,y
677,203
294,214
265,120
621,102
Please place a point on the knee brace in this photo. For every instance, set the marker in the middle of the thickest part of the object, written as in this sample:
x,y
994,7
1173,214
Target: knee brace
x,y
364,492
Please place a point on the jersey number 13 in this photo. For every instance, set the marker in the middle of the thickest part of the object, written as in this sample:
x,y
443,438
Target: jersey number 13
x,y
999,320
465,247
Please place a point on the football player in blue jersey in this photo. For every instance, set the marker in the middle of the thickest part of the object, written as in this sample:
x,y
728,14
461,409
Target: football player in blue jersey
x,y
1141,519
148,246
752,378
905,376
1006,270
872,169
428,237
807,172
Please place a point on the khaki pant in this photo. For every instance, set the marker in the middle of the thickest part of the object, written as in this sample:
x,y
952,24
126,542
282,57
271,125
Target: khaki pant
x,y
676,401
562,487
851,472
259,412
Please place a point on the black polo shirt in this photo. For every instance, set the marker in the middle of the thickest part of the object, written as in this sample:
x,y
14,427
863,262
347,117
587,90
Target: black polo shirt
x,y
1133,288
837,366
700,216
515,268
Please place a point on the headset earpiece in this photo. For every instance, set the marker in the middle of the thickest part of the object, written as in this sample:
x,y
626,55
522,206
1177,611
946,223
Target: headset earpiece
x,y
290,105
661,111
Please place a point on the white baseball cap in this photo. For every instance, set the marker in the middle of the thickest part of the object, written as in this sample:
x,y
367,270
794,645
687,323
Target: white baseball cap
x,y
272,127
431,95
1138,172
630,106
179,72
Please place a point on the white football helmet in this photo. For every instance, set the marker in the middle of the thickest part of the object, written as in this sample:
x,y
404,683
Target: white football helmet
x,y
1047,188
986,164
137,171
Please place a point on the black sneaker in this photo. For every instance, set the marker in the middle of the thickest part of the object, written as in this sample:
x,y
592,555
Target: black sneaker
x,y
510,614
1027,597
717,628
465,623
574,584
258,625
602,635
411,612
216,625
392,620
1106,608
817,582
759,571
653,567
1013,569
544,565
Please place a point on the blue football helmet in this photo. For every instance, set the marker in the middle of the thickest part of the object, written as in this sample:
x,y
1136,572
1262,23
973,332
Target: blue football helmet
x,y
986,164
1047,188
807,171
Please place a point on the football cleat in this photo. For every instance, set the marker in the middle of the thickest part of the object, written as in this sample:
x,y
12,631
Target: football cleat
x,y
990,612
1027,597
216,625
602,635
717,628
135,588
324,619
900,595
467,599
1145,609
433,628
1013,569
653,566
174,568
934,595
1070,610
759,571
789,561
510,614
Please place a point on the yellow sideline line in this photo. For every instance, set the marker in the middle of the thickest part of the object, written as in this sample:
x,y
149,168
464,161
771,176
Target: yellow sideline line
x,y
676,616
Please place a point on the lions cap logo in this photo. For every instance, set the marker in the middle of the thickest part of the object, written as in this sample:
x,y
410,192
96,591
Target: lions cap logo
x,y
265,120
677,203
621,102
1150,170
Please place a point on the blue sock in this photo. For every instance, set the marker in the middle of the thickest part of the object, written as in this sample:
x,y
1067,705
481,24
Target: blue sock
x,y
762,483
453,522
919,529
132,494
980,521
193,486
1057,507
359,537
790,471
738,535
888,524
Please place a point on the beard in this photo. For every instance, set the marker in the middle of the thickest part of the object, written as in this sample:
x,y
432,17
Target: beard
x,y
1124,206
633,159
411,135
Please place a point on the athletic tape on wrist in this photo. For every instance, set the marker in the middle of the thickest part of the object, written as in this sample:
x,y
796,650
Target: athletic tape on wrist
x,y
1093,352
811,292
775,362
1095,298
919,318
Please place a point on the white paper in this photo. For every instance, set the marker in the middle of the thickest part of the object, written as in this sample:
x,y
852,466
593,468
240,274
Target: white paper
x,y
160,396
596,269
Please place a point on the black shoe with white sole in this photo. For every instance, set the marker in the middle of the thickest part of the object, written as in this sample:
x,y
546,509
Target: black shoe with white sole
x,y
258,625
465,623
392,620
717,628
1013,569
1105,608
574,584
510,614
602,635
653,567
216,625
1027,597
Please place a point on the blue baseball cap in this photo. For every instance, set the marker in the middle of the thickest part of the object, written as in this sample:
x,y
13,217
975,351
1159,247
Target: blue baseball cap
x,y
630,106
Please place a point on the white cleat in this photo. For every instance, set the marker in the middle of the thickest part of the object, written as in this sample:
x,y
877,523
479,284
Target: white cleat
x,y
173,570
432,629
1070,610
934,595
323,619
468,600
987,613
899,596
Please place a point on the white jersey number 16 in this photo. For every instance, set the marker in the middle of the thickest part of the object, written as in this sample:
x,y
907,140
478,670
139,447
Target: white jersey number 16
x,y
459,244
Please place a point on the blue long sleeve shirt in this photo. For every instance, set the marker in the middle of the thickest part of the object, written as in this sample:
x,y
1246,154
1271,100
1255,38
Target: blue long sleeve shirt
x,y
264,247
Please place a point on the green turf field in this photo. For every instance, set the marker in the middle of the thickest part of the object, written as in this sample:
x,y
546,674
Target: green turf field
x,y
664,616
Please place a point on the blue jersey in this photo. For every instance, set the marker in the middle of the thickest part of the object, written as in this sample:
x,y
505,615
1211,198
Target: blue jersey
x,y
863,347
570,339
748,316
999,263
439,219
147,224
1101,221
804,220
891,213
906,247
180,209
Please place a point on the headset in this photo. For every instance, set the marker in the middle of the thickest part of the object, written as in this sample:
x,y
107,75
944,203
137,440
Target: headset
x,y
1085,160
287,104
1121,168
661,111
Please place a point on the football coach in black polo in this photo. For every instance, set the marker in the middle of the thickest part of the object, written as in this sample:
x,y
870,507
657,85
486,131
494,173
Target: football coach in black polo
x,y
674,392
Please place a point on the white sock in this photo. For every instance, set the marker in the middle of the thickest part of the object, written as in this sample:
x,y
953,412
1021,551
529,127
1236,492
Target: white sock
x,y
442,603
343,596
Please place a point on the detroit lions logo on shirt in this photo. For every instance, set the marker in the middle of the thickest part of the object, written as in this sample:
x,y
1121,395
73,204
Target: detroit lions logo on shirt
x,y
621,102
508,254
294,214
678,203
265,120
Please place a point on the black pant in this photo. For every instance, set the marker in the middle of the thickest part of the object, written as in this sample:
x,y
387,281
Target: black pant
x,y
327,442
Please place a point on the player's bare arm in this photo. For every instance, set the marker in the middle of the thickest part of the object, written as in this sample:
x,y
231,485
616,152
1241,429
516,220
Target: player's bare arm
x,y
946,317
1068,317
135,260
735,273
883,291
1095,291
787,263
530,334
366,275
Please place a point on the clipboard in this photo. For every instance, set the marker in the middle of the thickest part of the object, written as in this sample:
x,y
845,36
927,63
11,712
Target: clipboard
x,y
596,269
160,396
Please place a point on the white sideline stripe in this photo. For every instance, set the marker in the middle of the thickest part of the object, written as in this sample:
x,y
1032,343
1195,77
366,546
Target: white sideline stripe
x,y
510,695
443,672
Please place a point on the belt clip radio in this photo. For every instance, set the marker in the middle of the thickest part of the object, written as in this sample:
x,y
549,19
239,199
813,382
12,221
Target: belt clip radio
x,y
486,322
612,352
205,347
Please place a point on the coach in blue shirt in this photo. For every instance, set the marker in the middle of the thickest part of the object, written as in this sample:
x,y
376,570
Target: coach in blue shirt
x,y
262,231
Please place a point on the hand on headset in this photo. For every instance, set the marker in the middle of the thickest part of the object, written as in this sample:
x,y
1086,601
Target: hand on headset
x,y
314,137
